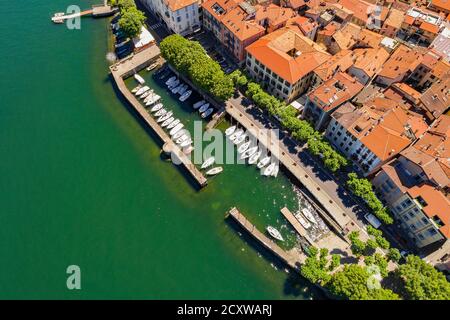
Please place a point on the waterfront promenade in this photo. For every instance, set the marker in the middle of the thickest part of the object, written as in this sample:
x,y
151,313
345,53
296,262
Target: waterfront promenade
x,y
134,64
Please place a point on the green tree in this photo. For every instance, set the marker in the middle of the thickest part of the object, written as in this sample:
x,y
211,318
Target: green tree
x,y
125,5
394,255
132,21
422,281
315,267
358,246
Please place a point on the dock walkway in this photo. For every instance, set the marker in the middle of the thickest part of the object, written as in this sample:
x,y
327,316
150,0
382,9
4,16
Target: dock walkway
x,y
296,224
130,66
269,244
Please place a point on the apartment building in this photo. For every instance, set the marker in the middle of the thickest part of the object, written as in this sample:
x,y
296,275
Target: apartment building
x,y
340,62
329,96
393,23
374,134
431,69
421,23
180,16
368,62
436,100
441,6
283,62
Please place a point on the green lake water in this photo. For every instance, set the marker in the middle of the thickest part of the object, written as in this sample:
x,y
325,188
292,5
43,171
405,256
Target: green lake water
x,y
83,183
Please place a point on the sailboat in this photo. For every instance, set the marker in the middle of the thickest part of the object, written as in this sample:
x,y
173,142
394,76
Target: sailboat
x,y
274,233
208,162
214,171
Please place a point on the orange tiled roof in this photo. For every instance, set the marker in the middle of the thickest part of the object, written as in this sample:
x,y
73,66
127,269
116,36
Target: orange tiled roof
x,y
410,92
437,98
437,205
370,60
340,61
441,4
436,142
429,27
226,5
288,53
401,61
235,21
274,15
395,18
175,5
409,20
360,9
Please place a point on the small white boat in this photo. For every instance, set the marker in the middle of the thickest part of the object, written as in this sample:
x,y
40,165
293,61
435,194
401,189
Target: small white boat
x,y
236,134
160,112
151,67
214,171
239,139
275,170
156,107
198,104
263,162
139,78
173,124
146,94
152,99
164,117
207,113
274,233
203,108
170,80
177,128
182,139
177,88
243,147
142,90
249,152
186,143
309,215
302,221
254,157
173,84
268,171
185,95
230,130
208,162
183,89
167,122
187,147
135,89
179,133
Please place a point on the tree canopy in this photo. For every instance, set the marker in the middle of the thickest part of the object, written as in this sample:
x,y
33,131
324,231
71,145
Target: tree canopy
x,y
131,21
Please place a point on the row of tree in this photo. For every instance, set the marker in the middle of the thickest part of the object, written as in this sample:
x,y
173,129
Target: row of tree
x,y
190,59
131,18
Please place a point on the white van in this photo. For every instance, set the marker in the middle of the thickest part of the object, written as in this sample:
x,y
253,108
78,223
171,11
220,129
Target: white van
x,y
373,220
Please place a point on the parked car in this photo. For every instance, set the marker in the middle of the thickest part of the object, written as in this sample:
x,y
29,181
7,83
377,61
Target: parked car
x,y
373,220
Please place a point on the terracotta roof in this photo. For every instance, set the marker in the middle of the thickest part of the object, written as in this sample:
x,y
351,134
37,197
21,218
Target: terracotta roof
x,y
340,61
288,54
436,205
346,37
441,4
401,61
335,91
429,27
224,5
370,60
436,141
360,9
436,99
394,19
296,4
330,29
175,5
410,93
274,15
305,25
235,21
409,20
441,68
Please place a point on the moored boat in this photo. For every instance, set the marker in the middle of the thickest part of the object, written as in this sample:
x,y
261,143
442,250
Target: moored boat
x,y
208,162
230,130
167,122
275,170
303,221
254,158
146,94
182,139
185,95
173,84
151,67
249,152
175,129
236,134
170,80
160,112
243,147
139,78
177,88
198,104
203,108
239,139
173,124
135,89
156,107
274,233
142,90
164,117
308,214
183,89
152,99
207,113
268,171
264,161
179,133
214,171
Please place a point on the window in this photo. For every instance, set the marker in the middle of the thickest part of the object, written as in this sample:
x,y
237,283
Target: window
x,y
178,19
421,237
425,221
412,227
431,231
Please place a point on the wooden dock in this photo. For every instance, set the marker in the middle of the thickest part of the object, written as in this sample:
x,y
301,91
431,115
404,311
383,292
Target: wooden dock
x,y
118,71
269,244
296,224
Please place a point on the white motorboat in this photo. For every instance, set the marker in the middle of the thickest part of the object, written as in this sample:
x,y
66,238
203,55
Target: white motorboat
x,y
173,84
236,134
173,124
183,89
275,170
203,108
208,162
160,112
179,133
182,139
177,128
146,94
207,113
243,147
186,143
139,78
309,215
151,67
142,90
152,99
264,161
253,158
274,233
167,122
188,148
156,107
249,152
170,80
198,104
303,221
185,95
230,130
214,171
268,171
164,117
135,89
239,139
177,88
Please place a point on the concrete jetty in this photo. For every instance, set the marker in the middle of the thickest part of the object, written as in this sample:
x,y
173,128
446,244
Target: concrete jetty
x,y
269,244
130,66
98,10
296,224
